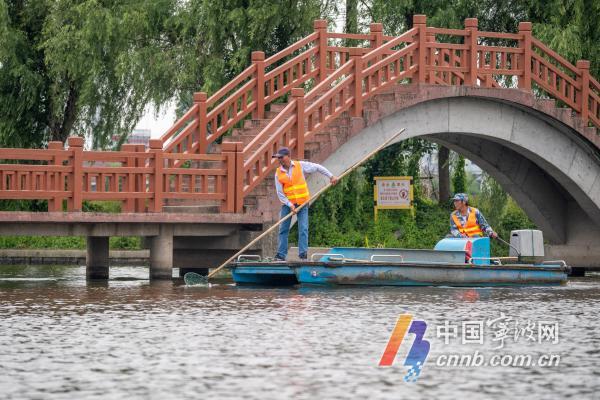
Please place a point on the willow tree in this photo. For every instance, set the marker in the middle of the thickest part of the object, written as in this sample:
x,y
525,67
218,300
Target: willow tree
x,y
92,67
217,37
81,67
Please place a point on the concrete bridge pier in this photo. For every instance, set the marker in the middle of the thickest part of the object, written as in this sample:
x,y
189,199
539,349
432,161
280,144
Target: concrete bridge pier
x,y
96,261
161,253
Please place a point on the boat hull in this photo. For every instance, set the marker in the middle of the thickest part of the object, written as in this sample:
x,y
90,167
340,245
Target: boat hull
x,y
429,275
268,274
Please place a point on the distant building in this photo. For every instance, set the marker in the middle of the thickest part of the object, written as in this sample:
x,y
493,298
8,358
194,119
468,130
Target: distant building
x,y
139,136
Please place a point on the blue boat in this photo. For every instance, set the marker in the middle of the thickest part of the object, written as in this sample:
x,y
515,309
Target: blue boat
x,y
463,262
251,270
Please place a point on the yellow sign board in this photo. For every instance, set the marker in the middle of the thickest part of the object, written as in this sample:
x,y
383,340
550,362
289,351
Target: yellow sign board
x,y
393,193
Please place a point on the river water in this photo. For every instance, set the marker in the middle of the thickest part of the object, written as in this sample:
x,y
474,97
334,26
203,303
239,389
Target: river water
x,y
62,338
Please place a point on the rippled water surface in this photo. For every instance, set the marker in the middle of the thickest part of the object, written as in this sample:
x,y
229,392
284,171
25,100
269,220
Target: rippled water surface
x,y
61,338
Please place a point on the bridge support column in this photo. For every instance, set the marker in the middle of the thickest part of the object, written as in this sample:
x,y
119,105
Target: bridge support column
x,y
161,254
97,257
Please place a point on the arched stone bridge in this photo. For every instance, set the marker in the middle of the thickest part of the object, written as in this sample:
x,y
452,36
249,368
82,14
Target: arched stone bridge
x,y
504,100
533,149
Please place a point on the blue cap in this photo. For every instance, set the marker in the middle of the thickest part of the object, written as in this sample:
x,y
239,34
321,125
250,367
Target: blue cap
x,y
461,197
284,151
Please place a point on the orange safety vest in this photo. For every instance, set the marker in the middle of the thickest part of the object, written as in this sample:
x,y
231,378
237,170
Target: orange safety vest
x,y
472,228
294,187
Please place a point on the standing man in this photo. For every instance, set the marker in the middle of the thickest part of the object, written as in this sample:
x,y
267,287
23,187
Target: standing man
x,y
292,191
468,221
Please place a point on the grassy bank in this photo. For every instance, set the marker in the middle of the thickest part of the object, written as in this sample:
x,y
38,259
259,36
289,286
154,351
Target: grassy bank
x,y
65,242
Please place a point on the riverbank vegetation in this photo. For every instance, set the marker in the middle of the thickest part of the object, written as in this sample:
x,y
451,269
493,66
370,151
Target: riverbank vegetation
x,y
344,215
65,242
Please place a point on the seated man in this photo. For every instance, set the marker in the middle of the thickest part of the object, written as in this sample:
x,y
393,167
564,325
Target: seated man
x,y
468,221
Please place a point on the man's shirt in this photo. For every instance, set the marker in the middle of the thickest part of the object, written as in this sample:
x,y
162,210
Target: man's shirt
x,y
485,227
307,168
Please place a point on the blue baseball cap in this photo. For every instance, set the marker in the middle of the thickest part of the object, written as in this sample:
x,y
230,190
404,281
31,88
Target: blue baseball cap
x,y
283,151
461,197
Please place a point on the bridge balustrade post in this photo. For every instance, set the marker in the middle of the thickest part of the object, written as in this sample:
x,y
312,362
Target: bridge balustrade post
x,y
239,177
420,22
320,26
471,41
430,58
376,30
140,179
158,166
524,81
129,202
357,106
200,99
258,92
230,183
75,184
53,179
583,97
298,96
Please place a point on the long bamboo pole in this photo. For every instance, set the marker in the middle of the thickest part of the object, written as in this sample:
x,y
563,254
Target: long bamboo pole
x,y
313,197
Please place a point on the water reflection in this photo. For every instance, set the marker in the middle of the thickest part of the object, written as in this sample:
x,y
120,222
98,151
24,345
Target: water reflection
x,y
61,337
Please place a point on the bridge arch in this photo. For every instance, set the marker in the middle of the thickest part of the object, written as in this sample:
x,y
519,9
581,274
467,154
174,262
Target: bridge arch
x,y
546,165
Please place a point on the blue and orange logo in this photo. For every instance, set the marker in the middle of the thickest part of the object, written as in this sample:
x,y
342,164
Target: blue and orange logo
x,y
417,354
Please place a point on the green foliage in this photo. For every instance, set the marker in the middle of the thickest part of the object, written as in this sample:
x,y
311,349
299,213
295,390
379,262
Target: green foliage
x,y
514,218
64,242
42,242
125,243
102,206
459,177
343,216
82,67
23,205
492,201
215,38
42,205
91,67
569,27
351,25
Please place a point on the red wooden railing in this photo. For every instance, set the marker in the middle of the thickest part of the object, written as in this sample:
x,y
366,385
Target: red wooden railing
x,y
259,85
141,179
177,167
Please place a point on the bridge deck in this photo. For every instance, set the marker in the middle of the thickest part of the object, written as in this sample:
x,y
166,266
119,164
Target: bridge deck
x,y
123,224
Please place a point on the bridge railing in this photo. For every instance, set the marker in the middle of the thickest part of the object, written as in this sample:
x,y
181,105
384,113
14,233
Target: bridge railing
x,y
141,180
466,58
263,82
176,166
593,99
259,85
29,174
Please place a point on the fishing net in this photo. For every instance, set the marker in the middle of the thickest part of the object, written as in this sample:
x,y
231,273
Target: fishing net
x,y
192,278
